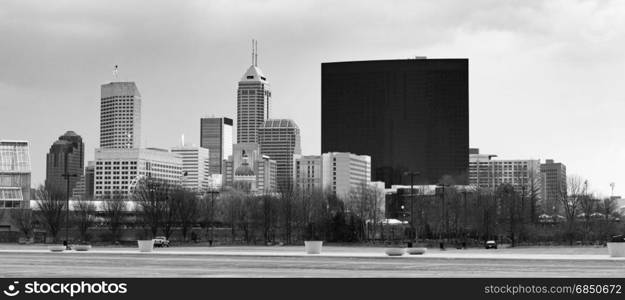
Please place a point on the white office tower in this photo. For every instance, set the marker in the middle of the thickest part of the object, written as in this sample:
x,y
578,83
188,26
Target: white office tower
x,y
336,172
253,96
344,172
118,170
120,115
195,167
488,173
307,172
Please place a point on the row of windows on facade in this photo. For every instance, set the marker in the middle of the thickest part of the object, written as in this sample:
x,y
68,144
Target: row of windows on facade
x,y
123,184
116,107
10,204
485,165
99,169
115,120
116,177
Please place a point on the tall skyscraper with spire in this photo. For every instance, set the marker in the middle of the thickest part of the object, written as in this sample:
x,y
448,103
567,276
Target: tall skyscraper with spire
x,y
120,115
253,96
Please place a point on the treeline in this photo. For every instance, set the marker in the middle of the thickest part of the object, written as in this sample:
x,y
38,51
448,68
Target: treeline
x,y
160,208
510,214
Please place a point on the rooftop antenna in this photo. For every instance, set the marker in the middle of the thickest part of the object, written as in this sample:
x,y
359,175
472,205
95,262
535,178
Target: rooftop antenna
x,y
612,187
182,140
256,53
115,73
253,52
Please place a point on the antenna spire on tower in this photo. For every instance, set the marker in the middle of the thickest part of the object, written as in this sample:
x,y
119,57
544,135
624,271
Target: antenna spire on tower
x,y
252,52
115,73
256,53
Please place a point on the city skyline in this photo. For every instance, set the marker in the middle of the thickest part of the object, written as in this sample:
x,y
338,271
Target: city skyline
x,y
567,114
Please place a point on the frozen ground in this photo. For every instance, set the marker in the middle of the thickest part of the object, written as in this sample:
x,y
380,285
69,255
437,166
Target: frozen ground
x,y
37,261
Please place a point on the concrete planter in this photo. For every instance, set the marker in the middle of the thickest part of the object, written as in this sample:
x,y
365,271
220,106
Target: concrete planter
x,y
81,247
415,251
145,245
395,251
313,247
24,240
56,248
616,249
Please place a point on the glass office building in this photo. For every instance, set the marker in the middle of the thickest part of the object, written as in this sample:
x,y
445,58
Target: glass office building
x,y
14,174
408,115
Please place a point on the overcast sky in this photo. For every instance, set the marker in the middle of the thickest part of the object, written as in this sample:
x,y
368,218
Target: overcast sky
x,y
547,78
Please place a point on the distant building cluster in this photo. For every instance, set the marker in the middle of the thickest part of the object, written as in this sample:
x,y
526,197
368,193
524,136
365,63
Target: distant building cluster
x,y
391,125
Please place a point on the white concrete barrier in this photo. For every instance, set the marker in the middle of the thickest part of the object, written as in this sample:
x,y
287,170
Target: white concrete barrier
x,y
313,247
145,245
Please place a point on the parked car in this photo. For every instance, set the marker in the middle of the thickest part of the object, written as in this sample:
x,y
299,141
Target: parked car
x,y
491,244
161,241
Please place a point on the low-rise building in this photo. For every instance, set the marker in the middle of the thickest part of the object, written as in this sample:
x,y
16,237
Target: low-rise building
x,y
117,170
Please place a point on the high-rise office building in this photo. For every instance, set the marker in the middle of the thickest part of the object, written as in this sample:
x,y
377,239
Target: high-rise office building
x,y
307,172
118,170
280,140
85,186
120,115
253,96
15,171
195,167
69,149
554,185
408,115
216,136
338,173
345,172
488,173
266,171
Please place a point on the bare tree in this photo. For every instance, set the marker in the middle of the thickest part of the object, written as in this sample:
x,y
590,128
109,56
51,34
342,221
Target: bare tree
x,y
51,210
188,209
509,199
84,212
608,207
288,202
364,201
570,199
150,196
268,216
170,212
114,209
207,209
229,209
314,210
588,206
23,218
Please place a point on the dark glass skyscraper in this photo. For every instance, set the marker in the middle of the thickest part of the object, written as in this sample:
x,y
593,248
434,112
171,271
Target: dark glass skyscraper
x,y
216,136
69,146
408,115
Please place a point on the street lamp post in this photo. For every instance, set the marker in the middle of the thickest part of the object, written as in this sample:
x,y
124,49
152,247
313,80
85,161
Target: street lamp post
x,y
67,176
444,224
413,230
212,192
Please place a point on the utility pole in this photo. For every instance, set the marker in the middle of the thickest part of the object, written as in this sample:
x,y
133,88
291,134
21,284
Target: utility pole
x,y
413,229
67,176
